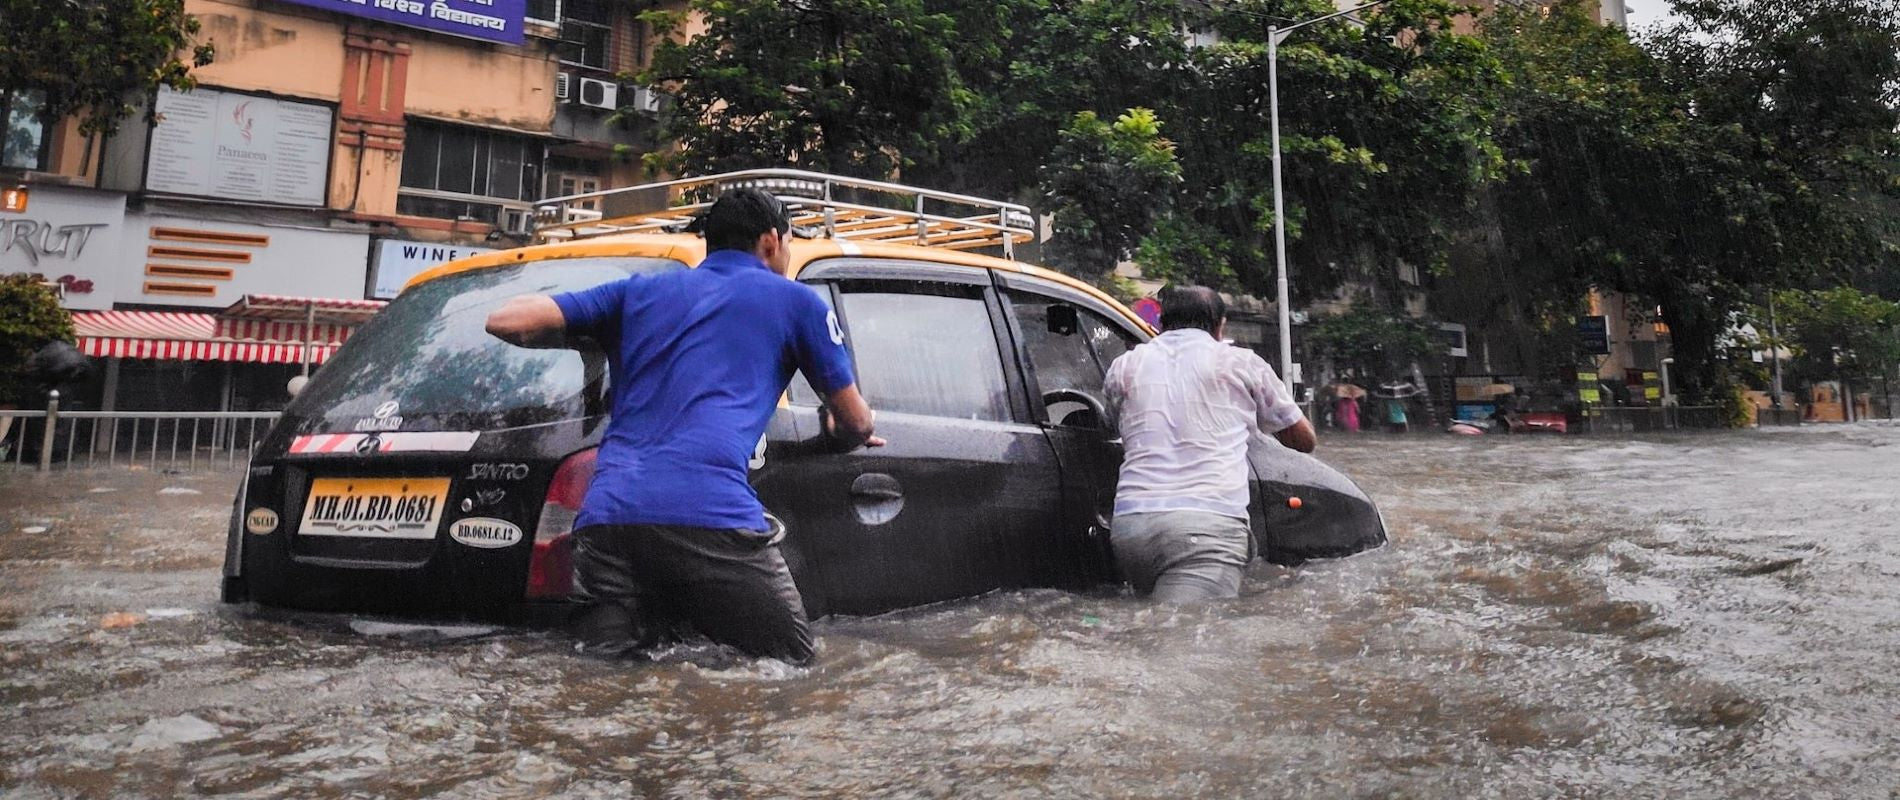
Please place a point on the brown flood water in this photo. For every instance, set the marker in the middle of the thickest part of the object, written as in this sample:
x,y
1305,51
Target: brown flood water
x,y
1695,616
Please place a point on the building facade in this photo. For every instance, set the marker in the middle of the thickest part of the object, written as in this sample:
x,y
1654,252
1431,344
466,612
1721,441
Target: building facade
x,y
333,150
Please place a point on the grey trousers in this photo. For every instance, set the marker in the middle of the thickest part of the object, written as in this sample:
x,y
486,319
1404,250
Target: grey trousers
x,y
1182,556
643,583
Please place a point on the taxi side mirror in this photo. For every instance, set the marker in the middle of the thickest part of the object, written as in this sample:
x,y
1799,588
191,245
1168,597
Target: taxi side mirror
x,y
1063,321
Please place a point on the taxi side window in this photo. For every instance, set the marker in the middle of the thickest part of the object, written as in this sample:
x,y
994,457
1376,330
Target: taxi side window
x,y
1059,353
929,349
1109,340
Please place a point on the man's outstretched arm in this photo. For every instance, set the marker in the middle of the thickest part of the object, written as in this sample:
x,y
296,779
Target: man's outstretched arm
x,y
529,321
1299,436
851,421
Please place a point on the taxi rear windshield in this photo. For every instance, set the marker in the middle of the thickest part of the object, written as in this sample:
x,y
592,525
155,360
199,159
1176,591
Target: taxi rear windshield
x,y
428,352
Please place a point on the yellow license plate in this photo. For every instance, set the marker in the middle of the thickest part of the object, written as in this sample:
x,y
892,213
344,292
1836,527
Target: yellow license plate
x,y
375,508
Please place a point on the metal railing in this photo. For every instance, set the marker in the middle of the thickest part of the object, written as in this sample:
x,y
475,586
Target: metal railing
x,y
173,440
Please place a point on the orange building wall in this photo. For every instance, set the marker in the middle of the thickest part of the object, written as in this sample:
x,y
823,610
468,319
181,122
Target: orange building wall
x,y
481,84
270,50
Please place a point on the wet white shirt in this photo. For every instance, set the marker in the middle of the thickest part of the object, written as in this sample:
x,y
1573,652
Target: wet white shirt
x,y
1186,406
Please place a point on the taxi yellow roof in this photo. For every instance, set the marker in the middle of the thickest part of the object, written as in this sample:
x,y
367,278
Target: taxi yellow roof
x,y
690,249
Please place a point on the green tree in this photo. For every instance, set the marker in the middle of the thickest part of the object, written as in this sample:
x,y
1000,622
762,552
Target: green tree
x,y
1837,334
1105,186
847,86
1638,170
94,58
1803,101
1385,135
1370,343
1385,138
30,317
1030,66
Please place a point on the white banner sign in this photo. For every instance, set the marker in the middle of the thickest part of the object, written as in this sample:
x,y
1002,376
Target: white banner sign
x,y
68,236
397,261
236,146
228,260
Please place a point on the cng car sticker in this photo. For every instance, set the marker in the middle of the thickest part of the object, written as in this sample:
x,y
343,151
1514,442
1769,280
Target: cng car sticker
x,y
374,508
419,441
260,520
485,532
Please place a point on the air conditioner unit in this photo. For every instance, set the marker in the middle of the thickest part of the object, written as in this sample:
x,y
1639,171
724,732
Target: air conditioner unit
x,y
599,94
645,99
562,83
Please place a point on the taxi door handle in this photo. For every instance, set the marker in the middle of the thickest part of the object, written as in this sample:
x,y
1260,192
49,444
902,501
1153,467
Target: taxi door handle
x,y
875,490
876,498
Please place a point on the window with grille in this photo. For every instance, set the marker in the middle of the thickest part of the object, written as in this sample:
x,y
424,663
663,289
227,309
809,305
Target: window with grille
x,y
448,169
586,30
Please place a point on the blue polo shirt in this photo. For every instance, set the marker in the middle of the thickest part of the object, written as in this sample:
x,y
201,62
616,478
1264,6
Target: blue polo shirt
x,y
699,360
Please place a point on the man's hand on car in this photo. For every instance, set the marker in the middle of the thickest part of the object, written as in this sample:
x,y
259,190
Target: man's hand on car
x,y
848,420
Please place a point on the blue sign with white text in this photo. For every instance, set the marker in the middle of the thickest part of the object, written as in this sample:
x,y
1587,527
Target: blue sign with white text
x,y
488,20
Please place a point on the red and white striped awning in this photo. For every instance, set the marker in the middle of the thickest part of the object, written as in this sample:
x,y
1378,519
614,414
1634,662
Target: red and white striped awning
x,y
299,309
203,337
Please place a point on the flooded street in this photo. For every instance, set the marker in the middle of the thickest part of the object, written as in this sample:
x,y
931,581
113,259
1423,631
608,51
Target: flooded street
x,y
1693,616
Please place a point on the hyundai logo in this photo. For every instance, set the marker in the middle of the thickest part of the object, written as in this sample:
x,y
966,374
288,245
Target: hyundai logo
x,y
368,444
386,410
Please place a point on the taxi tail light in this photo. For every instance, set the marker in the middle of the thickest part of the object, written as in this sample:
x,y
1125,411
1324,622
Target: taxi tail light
x,y
551,568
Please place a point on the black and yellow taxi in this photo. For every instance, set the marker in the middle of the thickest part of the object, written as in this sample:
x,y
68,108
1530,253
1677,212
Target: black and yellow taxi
x,y
430,470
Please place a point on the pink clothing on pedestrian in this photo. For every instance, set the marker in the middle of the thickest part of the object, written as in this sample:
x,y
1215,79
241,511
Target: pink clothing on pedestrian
x,y
1346,411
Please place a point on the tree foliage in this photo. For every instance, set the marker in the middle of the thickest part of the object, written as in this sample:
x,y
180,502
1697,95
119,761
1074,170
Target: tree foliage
x,y
95,58
857,87
1750,147
1837,334
1384,124
1371,343
1385,138
1675,170
1106,183
30,317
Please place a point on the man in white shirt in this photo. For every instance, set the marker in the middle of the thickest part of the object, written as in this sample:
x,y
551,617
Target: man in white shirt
x,y
1186,405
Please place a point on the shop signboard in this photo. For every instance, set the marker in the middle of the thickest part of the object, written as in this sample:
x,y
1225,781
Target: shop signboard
x,y
1594,335
68,236
183,261
488,20
209,143
397,261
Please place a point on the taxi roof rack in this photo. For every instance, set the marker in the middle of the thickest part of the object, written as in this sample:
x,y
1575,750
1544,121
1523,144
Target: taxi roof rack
x,y
833,206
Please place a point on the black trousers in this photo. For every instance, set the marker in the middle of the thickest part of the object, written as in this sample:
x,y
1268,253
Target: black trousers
x,y
643,583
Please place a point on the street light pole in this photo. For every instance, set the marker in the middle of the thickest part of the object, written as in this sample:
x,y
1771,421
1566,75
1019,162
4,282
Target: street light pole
x,y
1276,35
1279,225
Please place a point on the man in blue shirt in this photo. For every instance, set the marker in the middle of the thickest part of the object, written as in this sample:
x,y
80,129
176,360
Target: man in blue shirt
x,y
670,529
